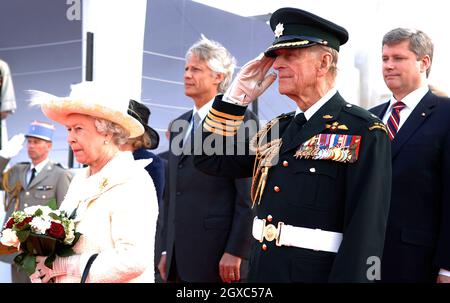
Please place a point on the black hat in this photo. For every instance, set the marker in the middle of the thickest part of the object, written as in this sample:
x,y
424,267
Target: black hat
x,y
296,28
142,113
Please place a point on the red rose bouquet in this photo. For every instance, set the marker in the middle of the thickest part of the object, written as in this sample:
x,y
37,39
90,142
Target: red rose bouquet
x,y
39,231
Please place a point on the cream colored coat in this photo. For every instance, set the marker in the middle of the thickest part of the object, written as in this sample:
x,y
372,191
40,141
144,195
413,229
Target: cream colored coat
x,y
117,213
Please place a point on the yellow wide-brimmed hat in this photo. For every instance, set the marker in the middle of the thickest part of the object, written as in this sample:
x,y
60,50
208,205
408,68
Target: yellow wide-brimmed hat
x,y
92,99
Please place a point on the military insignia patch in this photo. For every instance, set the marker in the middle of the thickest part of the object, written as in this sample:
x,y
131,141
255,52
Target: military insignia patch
x,y
334,147
279,30
336,126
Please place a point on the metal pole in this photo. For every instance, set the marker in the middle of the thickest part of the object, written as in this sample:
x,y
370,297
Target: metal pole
x,y
255,106
88,75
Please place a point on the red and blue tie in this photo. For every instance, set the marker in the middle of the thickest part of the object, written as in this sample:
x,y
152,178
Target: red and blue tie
x,y
394,119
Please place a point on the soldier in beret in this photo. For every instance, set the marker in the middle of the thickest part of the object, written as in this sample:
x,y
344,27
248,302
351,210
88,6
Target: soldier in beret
x,y
29,184
321,174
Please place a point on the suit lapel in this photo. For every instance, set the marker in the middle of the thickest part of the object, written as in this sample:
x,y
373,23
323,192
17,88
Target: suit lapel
x,y
187,117
381,110
329,112
422,111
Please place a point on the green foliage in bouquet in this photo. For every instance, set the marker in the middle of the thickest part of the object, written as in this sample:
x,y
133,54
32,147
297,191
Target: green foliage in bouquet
x,y
40,231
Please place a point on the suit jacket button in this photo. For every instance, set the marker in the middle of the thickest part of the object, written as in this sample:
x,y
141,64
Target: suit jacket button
x,y
312,169
285,163
178,193
180,165
276,189
27,193
25,204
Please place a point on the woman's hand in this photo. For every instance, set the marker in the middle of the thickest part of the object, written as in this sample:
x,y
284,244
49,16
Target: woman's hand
x,y
61,266
43,274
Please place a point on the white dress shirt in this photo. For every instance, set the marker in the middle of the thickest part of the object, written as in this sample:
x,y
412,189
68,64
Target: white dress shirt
x,y
411,101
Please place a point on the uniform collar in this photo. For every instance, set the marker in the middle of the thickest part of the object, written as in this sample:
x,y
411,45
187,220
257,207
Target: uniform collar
x,y
316,106
40,166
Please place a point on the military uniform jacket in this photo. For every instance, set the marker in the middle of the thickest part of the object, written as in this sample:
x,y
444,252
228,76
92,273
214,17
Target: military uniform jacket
x,y
51,182
350,198
418,231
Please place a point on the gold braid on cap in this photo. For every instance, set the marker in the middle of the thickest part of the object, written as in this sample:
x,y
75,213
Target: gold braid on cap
x,y
263,160
13,193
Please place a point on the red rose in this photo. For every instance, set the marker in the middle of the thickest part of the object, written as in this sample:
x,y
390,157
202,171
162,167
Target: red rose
x,y
22,224
56,230
10,223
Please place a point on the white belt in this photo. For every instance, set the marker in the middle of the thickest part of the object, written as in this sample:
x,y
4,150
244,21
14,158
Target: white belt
x,y
288,235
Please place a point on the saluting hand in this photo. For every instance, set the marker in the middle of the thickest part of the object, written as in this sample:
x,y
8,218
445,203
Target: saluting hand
x,y
251,81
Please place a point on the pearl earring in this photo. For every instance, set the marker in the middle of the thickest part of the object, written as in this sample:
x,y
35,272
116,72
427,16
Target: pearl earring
x,y
105,142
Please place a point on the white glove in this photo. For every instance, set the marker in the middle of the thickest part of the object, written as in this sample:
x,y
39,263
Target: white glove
x,y
13,146
251,81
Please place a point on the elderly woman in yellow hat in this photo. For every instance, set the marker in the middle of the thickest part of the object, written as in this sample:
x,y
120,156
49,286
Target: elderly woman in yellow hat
x,y
113,199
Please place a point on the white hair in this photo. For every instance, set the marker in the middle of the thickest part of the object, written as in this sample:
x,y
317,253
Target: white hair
x,y
119,134
217,57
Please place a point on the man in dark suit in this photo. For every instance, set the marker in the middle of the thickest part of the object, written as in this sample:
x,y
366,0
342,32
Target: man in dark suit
x,y
207,219
321,183
417,247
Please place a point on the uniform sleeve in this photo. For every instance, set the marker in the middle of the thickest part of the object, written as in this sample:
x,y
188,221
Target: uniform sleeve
x,y
3,163
239,240
62,185
225,149
368,190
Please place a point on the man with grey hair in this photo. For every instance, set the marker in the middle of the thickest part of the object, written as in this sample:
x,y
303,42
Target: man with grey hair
x,y
207,220
417,245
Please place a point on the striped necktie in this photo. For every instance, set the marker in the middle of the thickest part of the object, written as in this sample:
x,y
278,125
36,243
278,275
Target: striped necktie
x,y
394,119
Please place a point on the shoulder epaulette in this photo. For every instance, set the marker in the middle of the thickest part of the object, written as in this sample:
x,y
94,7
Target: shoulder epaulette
x,y
378,125
60,165
373,121
358,111
285,115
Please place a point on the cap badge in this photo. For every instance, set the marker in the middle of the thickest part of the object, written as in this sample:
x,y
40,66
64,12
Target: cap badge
x,y
279,30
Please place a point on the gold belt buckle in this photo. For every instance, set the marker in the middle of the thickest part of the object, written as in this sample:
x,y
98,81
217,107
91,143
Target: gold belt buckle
x,y
270,232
